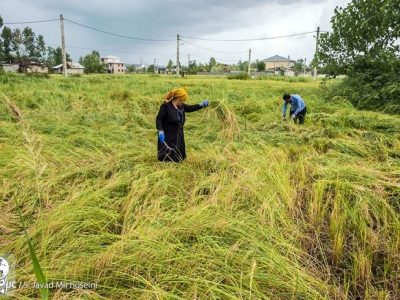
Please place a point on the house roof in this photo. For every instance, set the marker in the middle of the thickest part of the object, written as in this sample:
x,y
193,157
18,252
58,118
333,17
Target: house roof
x,y
70,65
277,58
31,63
139,66
9,64
75,65
280,68
112,59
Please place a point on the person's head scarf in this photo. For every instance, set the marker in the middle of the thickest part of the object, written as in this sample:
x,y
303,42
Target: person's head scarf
x,y
176,94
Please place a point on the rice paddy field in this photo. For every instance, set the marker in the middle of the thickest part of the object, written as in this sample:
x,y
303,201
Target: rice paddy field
x,y
261,208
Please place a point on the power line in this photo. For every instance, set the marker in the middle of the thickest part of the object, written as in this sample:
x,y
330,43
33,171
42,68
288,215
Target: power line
x,y
247,40
195,57
168,40
164,40
259,54
117,34
116,51
168,55
30,22
212,50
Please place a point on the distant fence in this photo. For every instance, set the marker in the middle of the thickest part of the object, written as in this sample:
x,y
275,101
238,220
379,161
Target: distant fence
x,y
254,74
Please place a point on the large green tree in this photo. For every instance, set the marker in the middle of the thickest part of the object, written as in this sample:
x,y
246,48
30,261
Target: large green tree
x,y
212,63
56,55
150,69
41,51
6,44
299,65
170,65
365,29
130,68
242,65
192,68
364,44
29,42
17,44
260,65
92,62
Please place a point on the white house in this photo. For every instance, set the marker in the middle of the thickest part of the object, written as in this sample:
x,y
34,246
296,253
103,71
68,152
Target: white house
x,y
277,61
10,67
72,68
280,71
113,64
33,67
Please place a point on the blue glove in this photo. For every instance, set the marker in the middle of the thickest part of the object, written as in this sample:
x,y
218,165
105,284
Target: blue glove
x,y
203,103
161,136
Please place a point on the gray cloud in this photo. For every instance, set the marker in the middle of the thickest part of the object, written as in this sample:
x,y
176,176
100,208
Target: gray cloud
x,y
164,19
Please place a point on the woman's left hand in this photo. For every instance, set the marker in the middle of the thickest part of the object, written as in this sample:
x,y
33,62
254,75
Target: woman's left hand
x,y
203,103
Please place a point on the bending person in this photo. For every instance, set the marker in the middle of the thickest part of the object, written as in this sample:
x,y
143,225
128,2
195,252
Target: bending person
x,y
169,123
298,108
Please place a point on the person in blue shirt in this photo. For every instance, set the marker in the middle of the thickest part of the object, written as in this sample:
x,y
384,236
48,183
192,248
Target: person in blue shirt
x,y
298,108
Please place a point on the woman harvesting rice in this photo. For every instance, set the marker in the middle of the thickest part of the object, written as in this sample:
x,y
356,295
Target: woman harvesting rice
x,y
169,123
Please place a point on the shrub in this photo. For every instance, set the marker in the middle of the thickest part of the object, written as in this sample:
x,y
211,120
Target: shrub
x,y
240,76
372,85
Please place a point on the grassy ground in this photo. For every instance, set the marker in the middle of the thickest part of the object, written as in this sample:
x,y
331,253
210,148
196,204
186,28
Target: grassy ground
x,y
261,209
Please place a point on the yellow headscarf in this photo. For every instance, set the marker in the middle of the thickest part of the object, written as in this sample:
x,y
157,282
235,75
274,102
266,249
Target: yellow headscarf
x,y
176,94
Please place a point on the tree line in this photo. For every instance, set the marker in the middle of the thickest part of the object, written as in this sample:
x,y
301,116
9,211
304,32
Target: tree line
x,y
24,45
18,46
214,66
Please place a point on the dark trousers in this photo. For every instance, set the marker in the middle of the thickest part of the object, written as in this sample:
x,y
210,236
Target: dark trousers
x,y
300,116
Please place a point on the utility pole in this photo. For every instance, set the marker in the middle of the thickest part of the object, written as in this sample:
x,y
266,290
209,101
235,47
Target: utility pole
x,y
64,55
155,68
316,52
177,54
188,64
304,67
248,67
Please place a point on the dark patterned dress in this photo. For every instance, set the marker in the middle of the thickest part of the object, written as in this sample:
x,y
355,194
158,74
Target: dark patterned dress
x,y
171,121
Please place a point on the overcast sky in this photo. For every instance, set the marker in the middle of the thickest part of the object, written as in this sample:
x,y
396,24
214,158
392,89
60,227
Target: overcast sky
x,y
161,19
